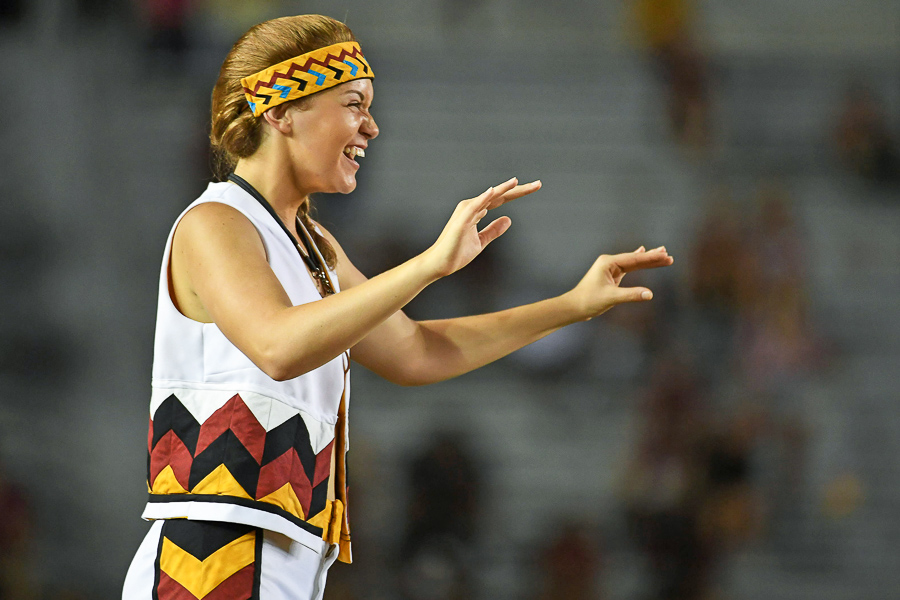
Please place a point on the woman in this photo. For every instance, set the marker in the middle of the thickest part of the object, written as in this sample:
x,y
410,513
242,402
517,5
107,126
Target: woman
x,y
248,428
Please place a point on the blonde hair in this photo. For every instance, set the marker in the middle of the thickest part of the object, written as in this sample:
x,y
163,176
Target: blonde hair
x,y
235,133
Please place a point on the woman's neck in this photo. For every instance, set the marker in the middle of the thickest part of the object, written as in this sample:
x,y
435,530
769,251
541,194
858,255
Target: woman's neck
x,y
275,183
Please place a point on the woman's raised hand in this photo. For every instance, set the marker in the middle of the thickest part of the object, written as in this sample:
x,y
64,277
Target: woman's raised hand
x,y
599,290
461,241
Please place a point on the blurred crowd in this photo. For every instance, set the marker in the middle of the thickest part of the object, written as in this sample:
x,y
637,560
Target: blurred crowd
x,y
717,363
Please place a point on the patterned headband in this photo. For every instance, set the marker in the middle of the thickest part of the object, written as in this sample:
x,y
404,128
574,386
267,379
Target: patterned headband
x,y
304,75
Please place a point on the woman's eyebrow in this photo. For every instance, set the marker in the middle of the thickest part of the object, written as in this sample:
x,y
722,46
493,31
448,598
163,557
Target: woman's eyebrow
x,y
362,96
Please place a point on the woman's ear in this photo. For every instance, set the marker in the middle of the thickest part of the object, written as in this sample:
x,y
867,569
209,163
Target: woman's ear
x,y
279,117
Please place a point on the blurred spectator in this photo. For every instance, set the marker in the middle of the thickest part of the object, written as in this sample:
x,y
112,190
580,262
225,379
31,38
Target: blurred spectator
x,y
570,565
15,537
775,342
718,281
776,241
719,256
667,28
439,568
662,482
730,512
864,143
443,514
691,491
445,491
168,38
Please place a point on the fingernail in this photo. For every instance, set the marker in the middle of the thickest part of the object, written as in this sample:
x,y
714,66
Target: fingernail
x,y
661,248
646,295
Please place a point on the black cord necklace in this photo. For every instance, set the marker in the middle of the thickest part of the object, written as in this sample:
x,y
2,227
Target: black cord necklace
x,y
308,251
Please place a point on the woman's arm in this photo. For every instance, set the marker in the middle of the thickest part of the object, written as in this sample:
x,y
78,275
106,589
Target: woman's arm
x,y
219,274
410,352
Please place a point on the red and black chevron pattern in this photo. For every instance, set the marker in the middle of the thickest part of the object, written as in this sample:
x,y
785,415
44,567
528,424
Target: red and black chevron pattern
x,y
232,454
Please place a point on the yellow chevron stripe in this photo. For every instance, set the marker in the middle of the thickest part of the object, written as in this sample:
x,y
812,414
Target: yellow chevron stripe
x,y
330,521
285,498
322,519
166,483
220,482
202,577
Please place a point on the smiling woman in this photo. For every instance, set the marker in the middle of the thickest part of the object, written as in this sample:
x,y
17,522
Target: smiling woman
x,y
260,308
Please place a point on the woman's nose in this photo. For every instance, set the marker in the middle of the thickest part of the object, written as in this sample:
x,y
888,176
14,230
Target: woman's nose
x,y
370,127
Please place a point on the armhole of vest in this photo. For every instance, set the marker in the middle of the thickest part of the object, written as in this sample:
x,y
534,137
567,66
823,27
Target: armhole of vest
x,y
167,267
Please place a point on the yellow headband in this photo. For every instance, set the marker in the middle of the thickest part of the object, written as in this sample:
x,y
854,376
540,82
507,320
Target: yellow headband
x,y
304,75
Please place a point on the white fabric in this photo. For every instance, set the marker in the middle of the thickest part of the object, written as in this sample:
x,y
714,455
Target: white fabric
x,y
290,571
225,512
193,355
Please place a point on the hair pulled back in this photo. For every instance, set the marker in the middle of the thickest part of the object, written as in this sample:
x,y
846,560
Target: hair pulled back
x,y
235,133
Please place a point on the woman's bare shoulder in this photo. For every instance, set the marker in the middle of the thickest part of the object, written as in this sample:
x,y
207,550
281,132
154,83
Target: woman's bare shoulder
x,y
215,221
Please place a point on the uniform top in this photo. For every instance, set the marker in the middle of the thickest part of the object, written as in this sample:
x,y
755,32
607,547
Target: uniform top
x,y
229,443
194,355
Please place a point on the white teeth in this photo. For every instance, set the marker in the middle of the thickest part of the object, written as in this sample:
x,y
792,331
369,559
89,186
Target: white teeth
x,y
360,152
354,151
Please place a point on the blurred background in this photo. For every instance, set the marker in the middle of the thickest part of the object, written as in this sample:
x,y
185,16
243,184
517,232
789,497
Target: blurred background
x,y
737,438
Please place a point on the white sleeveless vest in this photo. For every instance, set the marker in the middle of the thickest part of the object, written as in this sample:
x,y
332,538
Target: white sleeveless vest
x,y
229,443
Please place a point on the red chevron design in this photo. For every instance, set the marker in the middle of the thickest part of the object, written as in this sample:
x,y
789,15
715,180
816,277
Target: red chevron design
x,y
171,451
286,468
323,464
237,587
234,415
169,589
304,68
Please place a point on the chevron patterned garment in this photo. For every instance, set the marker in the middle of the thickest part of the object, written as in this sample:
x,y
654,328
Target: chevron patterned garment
x,y
227,443
208,561
201,560
304,75
246,451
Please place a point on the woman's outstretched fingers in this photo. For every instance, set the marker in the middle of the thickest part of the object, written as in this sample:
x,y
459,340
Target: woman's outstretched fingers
x,y
496,228
496,198
518,191
633,261
631,294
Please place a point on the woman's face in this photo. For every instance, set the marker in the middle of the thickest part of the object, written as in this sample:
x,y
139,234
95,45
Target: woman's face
x,y
330,133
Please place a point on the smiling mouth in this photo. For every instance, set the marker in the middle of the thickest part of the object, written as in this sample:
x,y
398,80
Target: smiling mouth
x,y
354,151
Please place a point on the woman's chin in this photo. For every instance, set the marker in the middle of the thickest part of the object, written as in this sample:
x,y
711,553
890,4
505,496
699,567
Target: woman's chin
x,y
346,187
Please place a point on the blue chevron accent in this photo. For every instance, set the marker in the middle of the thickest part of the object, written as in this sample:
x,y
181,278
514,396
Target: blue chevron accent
x,y
252,106
353,68
320,77
285,90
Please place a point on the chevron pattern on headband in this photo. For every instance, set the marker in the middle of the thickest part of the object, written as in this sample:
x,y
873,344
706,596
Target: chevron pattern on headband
x,y
304,75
